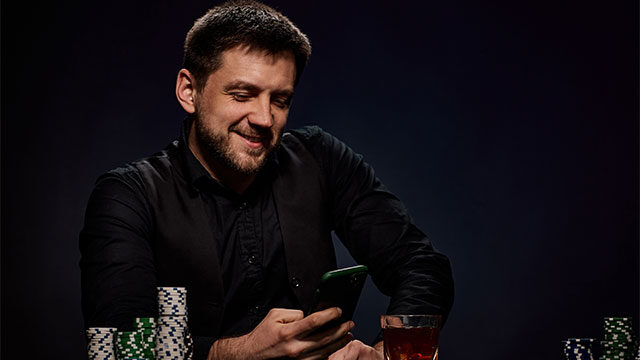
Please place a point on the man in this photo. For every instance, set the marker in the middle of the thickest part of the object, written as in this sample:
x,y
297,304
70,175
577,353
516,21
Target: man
x,y
240,213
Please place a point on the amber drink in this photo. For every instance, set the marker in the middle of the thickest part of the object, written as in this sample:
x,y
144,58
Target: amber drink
x,y
410,337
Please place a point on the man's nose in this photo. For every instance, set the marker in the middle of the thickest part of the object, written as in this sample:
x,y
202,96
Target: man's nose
x,y
261,114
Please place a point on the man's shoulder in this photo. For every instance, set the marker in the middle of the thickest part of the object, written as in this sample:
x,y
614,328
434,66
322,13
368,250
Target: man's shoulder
x,y
308,135
161,166
322,145
312,137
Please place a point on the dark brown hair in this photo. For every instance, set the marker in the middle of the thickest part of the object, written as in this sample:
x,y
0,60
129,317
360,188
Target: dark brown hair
x,y
241,23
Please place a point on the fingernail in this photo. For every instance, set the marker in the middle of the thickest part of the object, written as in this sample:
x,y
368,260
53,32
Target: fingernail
x,y
351,325
339,311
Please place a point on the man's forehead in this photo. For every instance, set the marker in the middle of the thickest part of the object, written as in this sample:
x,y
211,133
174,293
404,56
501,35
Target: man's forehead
x,y
256,52
245,63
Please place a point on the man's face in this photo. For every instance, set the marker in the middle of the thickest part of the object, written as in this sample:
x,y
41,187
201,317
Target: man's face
x,y
243,108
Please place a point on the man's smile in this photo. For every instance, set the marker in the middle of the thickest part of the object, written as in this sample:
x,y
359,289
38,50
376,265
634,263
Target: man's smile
x,y
253,141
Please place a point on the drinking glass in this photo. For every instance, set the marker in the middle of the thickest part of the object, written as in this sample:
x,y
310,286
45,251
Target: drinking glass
x,y
410,337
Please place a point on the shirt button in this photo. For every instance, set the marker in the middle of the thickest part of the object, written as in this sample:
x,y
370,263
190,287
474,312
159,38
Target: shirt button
x,y
295,282
252,259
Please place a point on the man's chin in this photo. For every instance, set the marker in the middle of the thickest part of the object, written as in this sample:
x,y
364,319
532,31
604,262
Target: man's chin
x,y
249,164
245,160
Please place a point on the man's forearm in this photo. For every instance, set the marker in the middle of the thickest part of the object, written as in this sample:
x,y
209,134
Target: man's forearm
x,y
235,348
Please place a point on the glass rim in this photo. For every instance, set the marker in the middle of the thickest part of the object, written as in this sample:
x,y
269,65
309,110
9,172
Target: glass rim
x,y
410,321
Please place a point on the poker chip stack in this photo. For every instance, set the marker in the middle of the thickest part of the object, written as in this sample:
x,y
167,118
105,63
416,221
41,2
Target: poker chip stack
x,y
172,339
100,343
578,349
129,345
147,329
619,341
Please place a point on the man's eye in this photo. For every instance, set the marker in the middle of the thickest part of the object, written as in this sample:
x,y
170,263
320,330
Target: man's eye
x,y
281,103
240,97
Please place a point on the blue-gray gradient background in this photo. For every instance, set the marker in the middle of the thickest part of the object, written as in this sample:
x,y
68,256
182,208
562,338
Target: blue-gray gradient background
x,y
508,128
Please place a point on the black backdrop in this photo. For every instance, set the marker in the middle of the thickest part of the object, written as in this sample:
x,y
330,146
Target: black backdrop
x,y
509,129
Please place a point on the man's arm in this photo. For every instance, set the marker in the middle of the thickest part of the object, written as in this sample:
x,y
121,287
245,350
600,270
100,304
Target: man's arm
x,y
376,228
117,267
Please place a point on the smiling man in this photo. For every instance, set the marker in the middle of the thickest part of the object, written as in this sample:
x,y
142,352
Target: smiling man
x,y
241,212
240,113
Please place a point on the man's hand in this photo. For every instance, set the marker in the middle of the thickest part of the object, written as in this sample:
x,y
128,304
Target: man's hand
x,y
356,350
286,333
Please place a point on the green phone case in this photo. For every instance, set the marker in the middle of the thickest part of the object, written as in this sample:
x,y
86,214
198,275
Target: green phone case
x,y
340,288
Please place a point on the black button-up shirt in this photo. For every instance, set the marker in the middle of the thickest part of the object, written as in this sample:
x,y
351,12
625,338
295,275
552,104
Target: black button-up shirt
x,y
143,223
249,244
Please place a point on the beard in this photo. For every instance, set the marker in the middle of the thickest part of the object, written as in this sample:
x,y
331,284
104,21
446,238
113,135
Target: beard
x,y
246,161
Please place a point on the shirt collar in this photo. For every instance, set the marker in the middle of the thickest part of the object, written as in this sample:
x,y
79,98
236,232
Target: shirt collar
x,y
196,173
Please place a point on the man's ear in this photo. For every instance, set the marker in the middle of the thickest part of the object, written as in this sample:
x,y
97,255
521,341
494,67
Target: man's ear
x,y
185,90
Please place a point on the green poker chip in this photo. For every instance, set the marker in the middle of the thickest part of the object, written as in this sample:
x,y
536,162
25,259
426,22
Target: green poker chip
x,y
131,344
145,323
619,340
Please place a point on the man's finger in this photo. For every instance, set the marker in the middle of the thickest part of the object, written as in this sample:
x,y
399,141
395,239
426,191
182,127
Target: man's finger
x,y
314,321
320,339
324,352
285,316
356,350
330,334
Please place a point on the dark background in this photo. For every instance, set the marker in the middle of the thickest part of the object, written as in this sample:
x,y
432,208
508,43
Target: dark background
x,y
508,128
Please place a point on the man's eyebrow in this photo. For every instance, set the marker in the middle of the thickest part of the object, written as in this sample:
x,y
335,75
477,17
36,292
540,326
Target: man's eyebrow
x,y
285,93
243,85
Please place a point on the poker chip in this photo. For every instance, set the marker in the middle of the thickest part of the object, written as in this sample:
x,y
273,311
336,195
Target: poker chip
x,y
100,343
619,341
164,338
578,349
172,301
130,345
173,340
147,329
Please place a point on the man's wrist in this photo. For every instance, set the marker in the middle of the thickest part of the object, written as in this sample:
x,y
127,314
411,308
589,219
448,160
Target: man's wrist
x,y
234,348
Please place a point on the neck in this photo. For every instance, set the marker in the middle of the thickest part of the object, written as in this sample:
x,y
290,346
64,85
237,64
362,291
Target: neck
x,y
231,179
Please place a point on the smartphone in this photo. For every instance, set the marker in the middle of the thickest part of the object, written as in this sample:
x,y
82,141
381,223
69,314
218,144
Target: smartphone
x,y
340,288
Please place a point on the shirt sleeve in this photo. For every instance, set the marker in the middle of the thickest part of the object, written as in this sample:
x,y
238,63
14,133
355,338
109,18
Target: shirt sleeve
x,y
117,267
376,229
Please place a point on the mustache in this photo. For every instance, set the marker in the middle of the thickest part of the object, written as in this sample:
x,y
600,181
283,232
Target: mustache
x,y
250,131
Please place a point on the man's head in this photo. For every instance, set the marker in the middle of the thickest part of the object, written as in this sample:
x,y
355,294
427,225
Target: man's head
x,y
242,61
241,23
